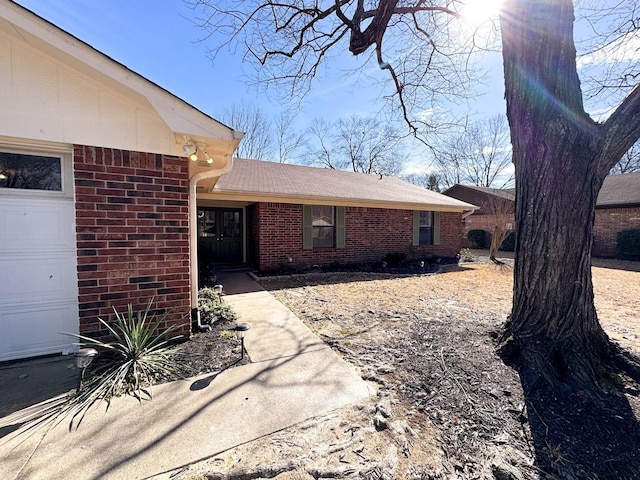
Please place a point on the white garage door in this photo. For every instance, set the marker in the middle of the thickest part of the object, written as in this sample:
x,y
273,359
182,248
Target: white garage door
x,y
38,280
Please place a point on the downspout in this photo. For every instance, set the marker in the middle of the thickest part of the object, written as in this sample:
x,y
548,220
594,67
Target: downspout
x,y
193,232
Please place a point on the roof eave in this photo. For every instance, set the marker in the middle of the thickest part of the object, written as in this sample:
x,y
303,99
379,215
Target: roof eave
x,y
340,202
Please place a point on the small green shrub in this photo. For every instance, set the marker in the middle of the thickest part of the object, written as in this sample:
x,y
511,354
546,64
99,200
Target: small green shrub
x,y
478,238
509,243
394,259
212,309
628,244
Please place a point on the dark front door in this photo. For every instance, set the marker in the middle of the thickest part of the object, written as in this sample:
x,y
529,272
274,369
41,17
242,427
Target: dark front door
x,y
219,236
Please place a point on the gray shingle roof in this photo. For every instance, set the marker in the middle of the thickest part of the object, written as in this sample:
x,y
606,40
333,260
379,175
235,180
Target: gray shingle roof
x,y
296,183
617,190
620,190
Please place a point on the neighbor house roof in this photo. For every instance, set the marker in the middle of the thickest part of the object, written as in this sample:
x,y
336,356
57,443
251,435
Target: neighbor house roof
x,y
620,190
253,180
617,191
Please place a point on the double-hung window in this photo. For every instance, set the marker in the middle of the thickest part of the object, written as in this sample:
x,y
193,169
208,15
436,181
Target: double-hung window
x,y
323,226
323,223
426,228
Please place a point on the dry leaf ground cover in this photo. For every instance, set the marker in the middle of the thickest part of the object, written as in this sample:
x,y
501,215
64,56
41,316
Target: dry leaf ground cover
x,y
446,407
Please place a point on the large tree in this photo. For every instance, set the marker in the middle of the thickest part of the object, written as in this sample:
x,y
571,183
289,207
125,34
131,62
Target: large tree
x,y
561,154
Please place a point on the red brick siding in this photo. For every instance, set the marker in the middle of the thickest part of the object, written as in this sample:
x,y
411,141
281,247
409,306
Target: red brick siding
x,y
132,234
370,233
610,221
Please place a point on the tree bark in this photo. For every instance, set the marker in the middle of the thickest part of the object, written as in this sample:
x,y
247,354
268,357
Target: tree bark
x,y
553,333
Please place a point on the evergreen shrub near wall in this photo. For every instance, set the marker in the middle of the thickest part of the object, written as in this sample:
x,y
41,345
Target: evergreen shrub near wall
x,y
478,238
213,309
628,244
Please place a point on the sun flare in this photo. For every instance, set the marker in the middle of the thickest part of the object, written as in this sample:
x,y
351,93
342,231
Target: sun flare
x,y
478,12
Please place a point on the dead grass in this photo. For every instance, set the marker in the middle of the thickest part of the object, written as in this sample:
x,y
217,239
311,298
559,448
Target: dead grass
x,y
425,341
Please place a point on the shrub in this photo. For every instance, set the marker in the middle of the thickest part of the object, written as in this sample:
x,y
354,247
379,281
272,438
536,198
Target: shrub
x,y
467,256
395,258
628,244
509,243
138,356
478,238
212,309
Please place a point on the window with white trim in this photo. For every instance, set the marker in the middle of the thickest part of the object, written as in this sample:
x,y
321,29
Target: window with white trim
x,y
30,172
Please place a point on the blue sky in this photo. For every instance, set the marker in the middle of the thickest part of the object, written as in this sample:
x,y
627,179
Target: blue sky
x,y
159,40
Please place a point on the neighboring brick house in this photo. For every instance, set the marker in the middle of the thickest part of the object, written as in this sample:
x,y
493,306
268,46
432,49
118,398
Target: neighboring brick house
x,y
617,209
96,192
299,216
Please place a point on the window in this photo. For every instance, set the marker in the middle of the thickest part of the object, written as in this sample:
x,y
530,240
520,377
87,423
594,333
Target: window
x,y
425,235
323,223
30,172
426,228
323,226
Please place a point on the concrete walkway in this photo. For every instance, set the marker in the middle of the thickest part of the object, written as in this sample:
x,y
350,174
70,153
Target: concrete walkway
x,y
293,377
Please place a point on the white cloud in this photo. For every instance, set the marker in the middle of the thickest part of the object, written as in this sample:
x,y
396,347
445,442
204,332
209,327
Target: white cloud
x,y
623,49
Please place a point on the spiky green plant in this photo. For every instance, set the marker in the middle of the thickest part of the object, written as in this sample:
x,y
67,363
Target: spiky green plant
x,y
137,356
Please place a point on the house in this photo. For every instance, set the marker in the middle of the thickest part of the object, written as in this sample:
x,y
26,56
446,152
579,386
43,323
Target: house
x,y
617,209
271,215
111,188
95,191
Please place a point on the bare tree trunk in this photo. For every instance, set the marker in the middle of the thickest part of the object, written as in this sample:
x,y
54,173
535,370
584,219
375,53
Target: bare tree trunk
x,y
500,233
553,333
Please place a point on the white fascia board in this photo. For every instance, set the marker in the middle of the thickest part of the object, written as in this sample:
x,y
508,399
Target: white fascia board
x,y
346,202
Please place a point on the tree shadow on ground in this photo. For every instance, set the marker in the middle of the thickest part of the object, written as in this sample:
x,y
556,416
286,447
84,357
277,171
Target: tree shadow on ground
x,y
577,437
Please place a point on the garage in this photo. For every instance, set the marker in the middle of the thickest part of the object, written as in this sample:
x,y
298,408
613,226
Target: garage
x,y
38,279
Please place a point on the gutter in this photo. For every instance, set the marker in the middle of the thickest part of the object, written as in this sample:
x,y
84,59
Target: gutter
x,y
193,231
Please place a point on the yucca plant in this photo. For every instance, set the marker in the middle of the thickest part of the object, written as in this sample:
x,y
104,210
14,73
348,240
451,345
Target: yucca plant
x,y
136,357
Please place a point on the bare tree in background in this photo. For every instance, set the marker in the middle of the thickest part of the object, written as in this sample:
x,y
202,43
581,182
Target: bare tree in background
x,y
479,154
290,142
430,181
629,163
258,142
358,144
561,157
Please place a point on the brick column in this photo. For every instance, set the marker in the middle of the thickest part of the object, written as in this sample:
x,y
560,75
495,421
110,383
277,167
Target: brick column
x,y
132,231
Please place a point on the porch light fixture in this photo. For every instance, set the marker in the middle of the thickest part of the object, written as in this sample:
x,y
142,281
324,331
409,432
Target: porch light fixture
x,y
209,159
241,332
189,149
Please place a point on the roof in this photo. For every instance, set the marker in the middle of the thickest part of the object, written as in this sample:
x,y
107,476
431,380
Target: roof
x,y
620,190
253,180
617,191
507,193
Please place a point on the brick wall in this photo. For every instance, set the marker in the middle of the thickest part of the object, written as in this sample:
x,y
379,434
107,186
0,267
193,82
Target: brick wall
x,y
370,233
610,221
132,231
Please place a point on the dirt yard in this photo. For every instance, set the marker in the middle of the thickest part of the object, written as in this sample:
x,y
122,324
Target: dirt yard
x,y
447,407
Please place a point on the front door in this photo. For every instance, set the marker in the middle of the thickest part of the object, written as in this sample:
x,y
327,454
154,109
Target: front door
x,y
219,237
